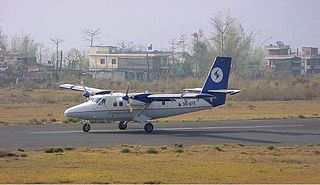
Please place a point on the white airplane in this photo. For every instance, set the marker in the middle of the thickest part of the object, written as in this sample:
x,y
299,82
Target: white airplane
x,y
142,107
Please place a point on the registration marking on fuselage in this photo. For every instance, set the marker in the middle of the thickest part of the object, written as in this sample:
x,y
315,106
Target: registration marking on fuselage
x,y
168,129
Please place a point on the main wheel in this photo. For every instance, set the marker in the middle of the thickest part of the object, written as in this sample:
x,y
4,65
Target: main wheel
x,y
86,127
122,125
148,127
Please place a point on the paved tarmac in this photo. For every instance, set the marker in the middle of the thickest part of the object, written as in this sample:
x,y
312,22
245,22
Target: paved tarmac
x,y
253,132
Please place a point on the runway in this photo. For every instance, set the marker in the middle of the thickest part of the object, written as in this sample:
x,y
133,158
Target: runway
x,y
253,132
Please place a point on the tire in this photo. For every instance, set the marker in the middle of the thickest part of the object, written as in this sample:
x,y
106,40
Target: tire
x,y
122,125
148,127
86,127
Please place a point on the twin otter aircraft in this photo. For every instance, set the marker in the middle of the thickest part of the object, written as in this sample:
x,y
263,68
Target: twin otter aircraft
x,y
143,107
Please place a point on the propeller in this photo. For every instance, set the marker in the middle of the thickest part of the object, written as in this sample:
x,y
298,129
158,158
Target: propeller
x,y
127,98
85,92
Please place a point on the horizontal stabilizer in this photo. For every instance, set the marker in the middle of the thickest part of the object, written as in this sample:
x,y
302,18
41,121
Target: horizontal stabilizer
x,y
225,91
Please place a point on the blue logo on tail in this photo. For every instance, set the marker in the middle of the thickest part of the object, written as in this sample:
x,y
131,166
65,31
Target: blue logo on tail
x,y
218,78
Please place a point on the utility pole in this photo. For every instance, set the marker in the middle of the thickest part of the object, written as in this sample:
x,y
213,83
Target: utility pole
x,y
56,42
173,44
60,61
148,66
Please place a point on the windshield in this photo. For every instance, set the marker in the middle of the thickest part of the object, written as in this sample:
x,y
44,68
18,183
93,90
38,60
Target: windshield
x,y
96,100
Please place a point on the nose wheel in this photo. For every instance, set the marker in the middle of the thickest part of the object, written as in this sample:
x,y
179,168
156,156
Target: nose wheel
x,y
86,127
148,127
122,125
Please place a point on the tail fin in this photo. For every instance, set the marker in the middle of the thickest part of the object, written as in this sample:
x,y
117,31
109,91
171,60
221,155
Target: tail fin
x,y
217,79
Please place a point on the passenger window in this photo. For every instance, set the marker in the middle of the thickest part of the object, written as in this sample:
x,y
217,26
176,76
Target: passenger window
x,y
120,103
163,102
114,104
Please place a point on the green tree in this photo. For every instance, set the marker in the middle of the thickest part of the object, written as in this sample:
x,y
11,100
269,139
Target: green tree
x,y
201,54
74,59
230,39
3,45
25,45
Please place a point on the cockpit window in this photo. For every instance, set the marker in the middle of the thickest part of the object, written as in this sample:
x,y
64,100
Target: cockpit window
x,y
96,100
102,102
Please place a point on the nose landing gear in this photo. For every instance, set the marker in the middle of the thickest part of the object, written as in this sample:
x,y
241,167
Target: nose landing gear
x,y
86,127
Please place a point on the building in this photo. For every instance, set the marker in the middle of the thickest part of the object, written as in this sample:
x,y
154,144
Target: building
x,y
311,60
282,59
109,62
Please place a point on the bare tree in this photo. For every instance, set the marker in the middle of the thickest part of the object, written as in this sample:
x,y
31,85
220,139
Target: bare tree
x,y
56,42
90,35
183,42
221,26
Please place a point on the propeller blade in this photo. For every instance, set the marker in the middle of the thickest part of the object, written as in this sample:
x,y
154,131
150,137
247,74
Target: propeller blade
x,y
85,92
128,86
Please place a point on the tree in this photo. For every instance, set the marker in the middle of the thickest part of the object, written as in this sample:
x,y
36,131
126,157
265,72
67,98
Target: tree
x,y
182,42
74,59
221,30
90,35
230,39
201,53
56,42
24,45
3,45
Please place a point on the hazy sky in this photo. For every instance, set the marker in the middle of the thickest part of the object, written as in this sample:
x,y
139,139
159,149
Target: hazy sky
x,y
295,22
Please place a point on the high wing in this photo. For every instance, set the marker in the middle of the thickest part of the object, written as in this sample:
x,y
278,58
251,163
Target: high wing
x,y
92,91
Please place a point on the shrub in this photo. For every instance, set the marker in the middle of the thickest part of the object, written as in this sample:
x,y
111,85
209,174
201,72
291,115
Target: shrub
x,y
152,151
34,121
152,182
125,150
54,150
10,154
178,145
52,120
163,148
68,148
179,150
217,148
270,147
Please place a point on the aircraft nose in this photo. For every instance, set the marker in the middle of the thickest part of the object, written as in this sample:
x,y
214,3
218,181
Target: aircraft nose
x,y
67,112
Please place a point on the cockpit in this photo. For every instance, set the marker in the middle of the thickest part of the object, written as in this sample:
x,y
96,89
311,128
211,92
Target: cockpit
x,y
99,101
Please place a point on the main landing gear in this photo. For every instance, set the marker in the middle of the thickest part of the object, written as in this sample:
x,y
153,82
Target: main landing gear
x,y
148,127
86,127
122,125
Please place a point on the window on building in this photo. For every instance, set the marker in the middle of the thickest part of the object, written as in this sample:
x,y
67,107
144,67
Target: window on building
x,y
163,102
102,61
121,104
114,61
114,104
